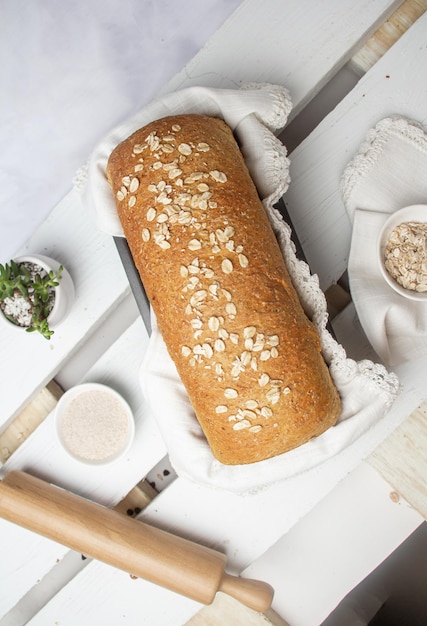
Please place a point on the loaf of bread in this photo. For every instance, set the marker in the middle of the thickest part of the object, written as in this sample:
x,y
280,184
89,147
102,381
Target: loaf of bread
x,y
213,271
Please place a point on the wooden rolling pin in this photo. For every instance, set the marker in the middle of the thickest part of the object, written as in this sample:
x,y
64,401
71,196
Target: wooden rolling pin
x,y
178,564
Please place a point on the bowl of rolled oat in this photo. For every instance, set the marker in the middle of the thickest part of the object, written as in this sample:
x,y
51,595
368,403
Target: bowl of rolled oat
x,y
94,424
402,252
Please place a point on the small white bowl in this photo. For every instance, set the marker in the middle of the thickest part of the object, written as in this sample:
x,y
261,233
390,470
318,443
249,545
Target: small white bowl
x,y
414,213
94,424
64,292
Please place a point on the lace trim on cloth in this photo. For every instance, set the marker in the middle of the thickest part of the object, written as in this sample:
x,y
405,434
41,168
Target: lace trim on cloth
x,y
281,103
372,147
80,179
277,173
379,377
314,303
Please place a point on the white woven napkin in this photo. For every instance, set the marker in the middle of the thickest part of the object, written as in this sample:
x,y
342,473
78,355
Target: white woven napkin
x,y
367,390
388,173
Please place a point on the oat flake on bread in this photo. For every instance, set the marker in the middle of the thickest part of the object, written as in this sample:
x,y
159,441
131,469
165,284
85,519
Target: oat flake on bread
x,y
213,271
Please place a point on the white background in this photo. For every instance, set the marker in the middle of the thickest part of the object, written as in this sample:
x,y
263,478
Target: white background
x,y
69,71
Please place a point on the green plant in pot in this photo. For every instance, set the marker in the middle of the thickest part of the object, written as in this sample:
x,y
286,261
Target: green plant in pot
x,y
30,296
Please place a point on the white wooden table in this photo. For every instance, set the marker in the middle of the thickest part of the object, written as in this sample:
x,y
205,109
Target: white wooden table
x,y
304,46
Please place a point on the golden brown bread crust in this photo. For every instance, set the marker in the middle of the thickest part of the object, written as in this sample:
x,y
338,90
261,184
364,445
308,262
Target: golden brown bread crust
x,y
212,269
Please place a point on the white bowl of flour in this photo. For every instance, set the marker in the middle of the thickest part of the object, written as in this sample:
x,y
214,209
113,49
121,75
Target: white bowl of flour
x,y
94,424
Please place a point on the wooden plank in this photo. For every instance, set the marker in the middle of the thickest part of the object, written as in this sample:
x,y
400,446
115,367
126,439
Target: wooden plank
x,y
313,199
271,41
227,610
334,547
137,601
101,594
387,35
402,460
193,512
25,559
28,420
71,236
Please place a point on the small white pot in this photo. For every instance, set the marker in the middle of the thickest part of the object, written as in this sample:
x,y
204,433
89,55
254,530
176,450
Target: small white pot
x,y
64,292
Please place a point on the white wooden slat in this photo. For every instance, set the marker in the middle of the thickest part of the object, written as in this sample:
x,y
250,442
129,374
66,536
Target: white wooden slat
x,y
138,602
119,319
24,559
314,201
298,43
103,595
243,527
334,547
41,456
70,236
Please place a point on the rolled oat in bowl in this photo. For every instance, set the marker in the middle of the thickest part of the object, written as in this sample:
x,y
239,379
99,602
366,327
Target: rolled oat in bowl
x,y
405,255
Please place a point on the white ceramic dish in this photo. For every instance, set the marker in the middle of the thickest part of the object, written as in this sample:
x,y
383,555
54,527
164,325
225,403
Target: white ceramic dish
x,y
64,292
94,424
414,213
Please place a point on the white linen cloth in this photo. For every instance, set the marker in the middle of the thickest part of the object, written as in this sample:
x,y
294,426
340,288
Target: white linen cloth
x,y
388,173
366,389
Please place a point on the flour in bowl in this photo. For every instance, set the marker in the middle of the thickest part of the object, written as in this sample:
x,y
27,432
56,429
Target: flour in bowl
x,y
95,426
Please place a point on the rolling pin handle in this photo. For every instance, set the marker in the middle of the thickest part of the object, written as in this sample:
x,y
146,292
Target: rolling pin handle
x,y
255,594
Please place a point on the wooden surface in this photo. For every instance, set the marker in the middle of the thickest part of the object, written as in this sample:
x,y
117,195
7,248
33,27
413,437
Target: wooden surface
x,y
402,460
104,330
29,418
226,610
387,35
